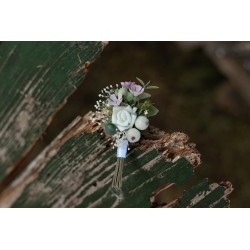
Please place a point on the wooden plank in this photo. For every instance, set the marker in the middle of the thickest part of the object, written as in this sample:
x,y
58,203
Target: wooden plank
x,y
76,169
36,79
204,195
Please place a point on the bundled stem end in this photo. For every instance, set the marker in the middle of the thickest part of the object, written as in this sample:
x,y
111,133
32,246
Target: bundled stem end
x,y
117,178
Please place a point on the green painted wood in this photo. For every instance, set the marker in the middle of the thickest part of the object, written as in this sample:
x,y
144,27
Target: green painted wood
x,y
77,168
205,195
35,80
80,174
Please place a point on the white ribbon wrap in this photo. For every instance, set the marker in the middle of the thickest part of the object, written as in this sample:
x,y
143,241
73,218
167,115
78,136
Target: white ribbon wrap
x,y
122,148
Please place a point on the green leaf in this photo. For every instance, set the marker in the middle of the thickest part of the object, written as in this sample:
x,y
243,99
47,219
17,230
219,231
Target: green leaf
x,y
129,97
139,106
152,111
140,81
122,91
147,84
110,128
142,96
152,87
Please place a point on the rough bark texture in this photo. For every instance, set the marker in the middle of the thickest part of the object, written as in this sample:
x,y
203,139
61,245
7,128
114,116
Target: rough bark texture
x,y
35,80
77,168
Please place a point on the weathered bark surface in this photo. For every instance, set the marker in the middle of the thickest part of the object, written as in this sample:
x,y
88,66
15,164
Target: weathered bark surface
x,y
35,80
76,170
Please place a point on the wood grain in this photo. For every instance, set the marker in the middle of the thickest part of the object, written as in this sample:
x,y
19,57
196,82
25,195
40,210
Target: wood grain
x,y
76,170
36,79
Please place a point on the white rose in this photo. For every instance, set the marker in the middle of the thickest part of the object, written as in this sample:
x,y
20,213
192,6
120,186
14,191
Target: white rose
x,y
124,117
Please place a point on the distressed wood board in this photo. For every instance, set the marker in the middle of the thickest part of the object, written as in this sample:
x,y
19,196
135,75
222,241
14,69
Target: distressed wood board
x,y
36,79
76,170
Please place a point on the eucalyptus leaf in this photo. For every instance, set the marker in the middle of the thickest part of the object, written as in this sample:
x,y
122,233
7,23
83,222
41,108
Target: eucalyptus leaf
x,y
139,106
147,84
140,81
152,87
110,128
143,96
152,111
122,91
129,97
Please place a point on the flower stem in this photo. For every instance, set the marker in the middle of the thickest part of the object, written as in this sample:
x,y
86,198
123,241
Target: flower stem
x,y
117,178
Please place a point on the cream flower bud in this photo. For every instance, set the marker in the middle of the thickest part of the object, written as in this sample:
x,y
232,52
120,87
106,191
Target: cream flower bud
x,y
142,122
133,135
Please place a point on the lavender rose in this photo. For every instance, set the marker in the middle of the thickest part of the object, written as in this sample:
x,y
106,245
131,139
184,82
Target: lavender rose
x,y
136,89
126,85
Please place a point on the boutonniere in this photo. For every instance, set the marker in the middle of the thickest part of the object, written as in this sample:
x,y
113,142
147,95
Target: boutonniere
x,y
124,111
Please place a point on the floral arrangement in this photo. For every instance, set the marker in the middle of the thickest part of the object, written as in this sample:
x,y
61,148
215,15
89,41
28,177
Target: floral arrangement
x,y
124,112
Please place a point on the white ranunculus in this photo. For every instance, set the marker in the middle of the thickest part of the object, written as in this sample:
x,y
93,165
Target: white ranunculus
x,y
124,117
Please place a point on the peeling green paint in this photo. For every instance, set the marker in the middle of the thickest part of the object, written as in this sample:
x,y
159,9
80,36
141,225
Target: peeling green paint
x,y
35,80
